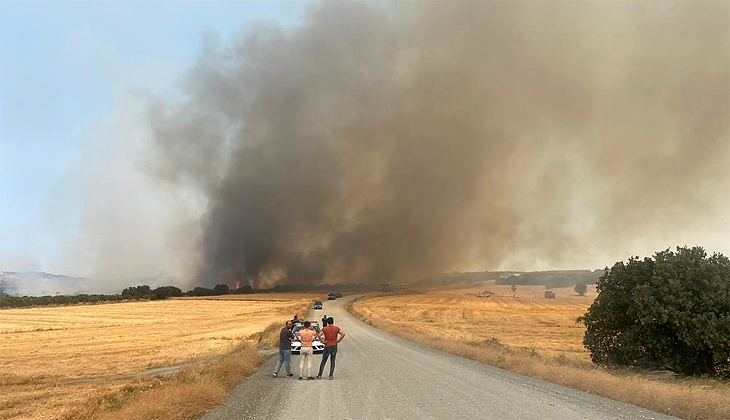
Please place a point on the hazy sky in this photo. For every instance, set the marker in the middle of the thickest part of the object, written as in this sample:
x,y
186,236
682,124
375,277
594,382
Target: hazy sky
x,y
63,67
80,83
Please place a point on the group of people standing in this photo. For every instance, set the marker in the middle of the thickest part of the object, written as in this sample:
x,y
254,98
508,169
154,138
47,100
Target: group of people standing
x,y
330,335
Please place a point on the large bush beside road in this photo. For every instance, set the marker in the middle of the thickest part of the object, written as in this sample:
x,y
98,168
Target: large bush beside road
x,y
672,310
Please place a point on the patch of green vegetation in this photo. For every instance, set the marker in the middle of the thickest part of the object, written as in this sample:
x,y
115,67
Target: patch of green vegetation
x,y
554,278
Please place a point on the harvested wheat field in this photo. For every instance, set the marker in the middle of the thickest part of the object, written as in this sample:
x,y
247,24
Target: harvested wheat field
x,y
54,358
536,337
545,325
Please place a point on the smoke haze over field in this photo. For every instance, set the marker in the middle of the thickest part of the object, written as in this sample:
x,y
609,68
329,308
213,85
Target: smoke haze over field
x,y
392,141
376,143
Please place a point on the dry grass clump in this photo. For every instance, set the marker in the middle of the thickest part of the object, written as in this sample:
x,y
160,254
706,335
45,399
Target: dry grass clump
x,y
185,395
269,336
177,401
63,360
687,398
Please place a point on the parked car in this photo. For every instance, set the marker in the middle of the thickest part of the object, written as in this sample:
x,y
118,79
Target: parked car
x,y
317,305
296,344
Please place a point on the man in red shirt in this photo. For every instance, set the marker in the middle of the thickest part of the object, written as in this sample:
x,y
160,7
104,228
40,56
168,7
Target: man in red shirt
x,y
332,336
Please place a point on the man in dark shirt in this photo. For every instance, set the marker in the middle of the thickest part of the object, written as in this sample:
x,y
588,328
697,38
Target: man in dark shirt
x,y
285,337
324,321
332,336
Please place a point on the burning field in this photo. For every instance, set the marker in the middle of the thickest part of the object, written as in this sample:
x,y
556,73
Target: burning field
x,y
55,358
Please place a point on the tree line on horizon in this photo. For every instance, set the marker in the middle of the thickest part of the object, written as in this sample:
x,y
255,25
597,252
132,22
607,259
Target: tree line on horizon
x,y
553,278
145,292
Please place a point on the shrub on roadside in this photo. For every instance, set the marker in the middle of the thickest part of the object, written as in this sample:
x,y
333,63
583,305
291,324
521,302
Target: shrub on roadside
x,y
672,310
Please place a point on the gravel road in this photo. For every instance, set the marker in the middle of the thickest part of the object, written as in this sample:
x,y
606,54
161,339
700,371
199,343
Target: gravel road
x,y
380,376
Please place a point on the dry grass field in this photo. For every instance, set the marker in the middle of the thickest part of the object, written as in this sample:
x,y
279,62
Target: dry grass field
x,y
536,337
54,359
545,325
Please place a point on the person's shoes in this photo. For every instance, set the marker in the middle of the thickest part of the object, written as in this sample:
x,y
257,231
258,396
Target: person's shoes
x,y
289,375
319,376
310,377
300,378
275,374
330,378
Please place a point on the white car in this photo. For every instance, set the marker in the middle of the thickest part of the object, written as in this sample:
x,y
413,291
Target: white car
x,y
296,345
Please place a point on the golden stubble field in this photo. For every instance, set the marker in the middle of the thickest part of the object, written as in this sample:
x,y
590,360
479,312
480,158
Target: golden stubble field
x,y
537,337
528,320
43,351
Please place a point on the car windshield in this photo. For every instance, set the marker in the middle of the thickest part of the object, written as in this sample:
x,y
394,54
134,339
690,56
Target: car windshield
x,y
317,303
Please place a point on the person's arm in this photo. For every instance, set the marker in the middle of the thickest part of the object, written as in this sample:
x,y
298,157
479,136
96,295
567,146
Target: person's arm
x,y
291,334
340,334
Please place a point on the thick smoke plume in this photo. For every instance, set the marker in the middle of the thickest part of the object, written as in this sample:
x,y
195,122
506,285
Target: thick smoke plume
x,y
387,142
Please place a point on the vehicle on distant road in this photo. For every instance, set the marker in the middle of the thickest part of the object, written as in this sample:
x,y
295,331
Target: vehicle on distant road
x,y
317,305
296,344
385,287
331,296
338,295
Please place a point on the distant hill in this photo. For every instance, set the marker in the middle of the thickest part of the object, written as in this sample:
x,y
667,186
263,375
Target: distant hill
x,y
465,277
38,283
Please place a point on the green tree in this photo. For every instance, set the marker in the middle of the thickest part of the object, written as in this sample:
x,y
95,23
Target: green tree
x,y
200,291
671,310
142,291
164,292
581,288
245,289
220,289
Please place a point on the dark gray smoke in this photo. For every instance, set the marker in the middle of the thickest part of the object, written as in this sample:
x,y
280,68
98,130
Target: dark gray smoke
x,y
387,142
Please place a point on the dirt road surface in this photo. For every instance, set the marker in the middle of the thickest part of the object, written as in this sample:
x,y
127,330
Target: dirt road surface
x,y
380,376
